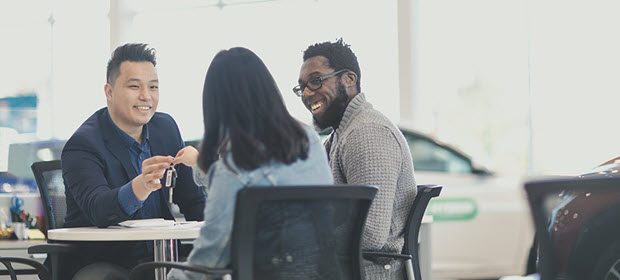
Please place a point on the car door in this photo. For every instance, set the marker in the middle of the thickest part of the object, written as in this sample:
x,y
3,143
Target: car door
x,y
481,222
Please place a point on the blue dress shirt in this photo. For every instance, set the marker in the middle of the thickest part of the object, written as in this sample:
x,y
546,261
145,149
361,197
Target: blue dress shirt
x,y
138,153
127,199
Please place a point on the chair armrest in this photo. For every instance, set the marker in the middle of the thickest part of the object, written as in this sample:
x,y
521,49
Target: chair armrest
x,y
135,273
52,248
374,255
40,269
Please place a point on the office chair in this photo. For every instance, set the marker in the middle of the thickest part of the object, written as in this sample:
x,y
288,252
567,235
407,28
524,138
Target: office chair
x,y
38,268
48,175
410,252
293,232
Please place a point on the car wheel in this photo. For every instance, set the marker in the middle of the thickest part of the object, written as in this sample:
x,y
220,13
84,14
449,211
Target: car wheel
x,y
608,265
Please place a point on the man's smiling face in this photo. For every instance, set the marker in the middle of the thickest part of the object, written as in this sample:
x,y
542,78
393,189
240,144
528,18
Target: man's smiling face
x,y
133,96
327,104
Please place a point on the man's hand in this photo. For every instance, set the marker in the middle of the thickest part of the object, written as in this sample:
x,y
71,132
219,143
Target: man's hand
x,y
187,156
153,169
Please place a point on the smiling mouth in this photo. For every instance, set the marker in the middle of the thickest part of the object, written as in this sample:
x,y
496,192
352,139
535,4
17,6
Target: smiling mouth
x,y
316,106
143,108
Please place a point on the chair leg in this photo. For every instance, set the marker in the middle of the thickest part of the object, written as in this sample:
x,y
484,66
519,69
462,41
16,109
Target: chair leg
x,y
10,269
409,270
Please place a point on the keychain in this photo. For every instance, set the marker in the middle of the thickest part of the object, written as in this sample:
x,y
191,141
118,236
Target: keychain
x,y
171,180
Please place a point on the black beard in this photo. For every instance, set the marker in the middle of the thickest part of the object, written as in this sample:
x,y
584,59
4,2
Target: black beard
x,y
333,113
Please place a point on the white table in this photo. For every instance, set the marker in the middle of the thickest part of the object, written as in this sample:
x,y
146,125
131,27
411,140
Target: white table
x,y
164,238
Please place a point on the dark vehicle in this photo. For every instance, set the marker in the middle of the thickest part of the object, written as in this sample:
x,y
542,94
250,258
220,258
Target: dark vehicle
x,y
585,230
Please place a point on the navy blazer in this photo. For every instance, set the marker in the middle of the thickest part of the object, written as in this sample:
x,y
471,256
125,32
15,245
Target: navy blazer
x,y
95,164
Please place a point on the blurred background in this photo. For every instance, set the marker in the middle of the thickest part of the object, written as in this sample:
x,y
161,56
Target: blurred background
x,y
523,86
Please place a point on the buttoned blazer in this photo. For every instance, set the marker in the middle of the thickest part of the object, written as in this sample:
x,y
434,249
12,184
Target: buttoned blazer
x,y
95,164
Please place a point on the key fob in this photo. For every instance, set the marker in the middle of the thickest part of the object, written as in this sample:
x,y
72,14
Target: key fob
x,y
171,180
170,177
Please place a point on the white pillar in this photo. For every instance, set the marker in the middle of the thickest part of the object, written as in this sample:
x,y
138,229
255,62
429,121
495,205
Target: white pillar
x,y
121,22
407,59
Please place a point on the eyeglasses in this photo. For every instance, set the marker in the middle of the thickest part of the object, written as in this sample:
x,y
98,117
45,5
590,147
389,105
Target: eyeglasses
x,y
315,83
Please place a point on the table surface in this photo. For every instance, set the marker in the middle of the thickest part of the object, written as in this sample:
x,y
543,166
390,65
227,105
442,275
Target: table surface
x,y
19,244
118,233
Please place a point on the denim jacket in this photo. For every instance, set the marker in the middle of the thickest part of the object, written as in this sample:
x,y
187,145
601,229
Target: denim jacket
x,y
212,247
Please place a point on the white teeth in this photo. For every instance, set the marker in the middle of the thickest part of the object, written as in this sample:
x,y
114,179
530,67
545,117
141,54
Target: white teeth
x,y
316,105
143,107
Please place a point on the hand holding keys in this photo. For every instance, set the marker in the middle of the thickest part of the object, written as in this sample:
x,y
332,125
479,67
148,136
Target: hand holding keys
x,y
171,179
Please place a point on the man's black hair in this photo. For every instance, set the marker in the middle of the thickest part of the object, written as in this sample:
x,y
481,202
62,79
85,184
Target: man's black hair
x,y
339,56
129,52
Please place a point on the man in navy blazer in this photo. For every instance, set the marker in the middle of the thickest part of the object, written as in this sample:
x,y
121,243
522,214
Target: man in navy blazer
x,y
113,165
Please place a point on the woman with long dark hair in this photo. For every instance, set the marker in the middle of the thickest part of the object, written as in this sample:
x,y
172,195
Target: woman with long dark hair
x,y
250,139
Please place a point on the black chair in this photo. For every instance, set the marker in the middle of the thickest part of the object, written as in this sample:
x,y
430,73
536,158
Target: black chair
x,y
37,268
411,250
48,175
323,226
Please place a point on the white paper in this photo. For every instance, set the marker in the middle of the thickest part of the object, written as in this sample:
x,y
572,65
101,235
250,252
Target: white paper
x,y
158,222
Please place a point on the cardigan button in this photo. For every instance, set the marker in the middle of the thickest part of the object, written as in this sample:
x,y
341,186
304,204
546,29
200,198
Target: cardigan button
x,y
387,266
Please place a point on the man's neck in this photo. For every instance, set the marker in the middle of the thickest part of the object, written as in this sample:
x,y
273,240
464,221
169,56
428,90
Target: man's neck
x,y
352,92
135,133
351,97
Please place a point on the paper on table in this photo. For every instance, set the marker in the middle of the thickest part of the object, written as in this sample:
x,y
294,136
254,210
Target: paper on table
x,y
157,222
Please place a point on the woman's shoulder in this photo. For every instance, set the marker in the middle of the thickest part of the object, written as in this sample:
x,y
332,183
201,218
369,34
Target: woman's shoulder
x,y
313,136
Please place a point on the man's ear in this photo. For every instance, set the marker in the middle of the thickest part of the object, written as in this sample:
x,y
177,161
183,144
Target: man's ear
x,y
350,78
108,91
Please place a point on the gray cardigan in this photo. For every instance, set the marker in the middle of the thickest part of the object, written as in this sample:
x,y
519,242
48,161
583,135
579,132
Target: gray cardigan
x,y
367,148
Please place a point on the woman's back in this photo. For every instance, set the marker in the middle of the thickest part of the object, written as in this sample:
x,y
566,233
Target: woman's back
x,y
251,140
212,248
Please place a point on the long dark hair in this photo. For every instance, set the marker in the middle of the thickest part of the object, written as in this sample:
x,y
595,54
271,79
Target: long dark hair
x,y
243,108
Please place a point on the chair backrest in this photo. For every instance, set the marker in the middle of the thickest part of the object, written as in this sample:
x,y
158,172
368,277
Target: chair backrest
x,y
414,221
48,176
299,232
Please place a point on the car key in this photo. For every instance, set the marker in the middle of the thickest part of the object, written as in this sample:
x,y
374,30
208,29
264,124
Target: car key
x,y
171,180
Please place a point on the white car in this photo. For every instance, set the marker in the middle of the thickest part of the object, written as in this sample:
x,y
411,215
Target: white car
x,y
482,224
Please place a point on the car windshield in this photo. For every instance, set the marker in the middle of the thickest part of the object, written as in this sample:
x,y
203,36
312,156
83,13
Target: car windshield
x,y
429,156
